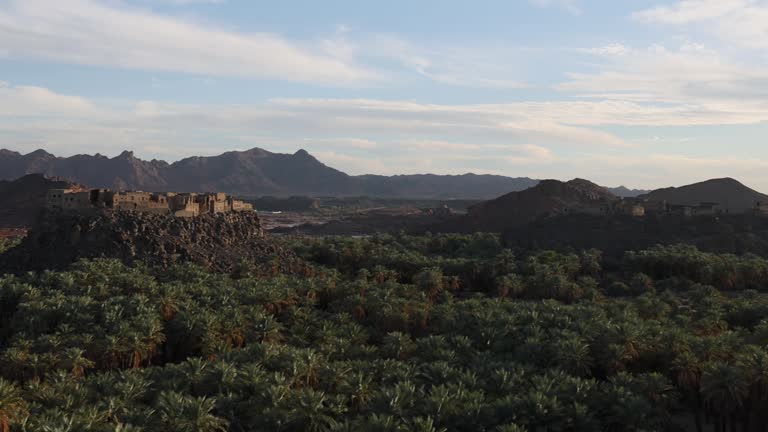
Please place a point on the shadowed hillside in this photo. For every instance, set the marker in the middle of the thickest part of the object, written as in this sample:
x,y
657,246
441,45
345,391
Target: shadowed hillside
x,y
729,193
24,197
549,197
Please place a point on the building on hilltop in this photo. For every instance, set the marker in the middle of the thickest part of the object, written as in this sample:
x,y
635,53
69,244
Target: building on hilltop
x,y
709,208
67,199
184,205
655,206
761,209
702,209
181,205
626,206
445,210
213,203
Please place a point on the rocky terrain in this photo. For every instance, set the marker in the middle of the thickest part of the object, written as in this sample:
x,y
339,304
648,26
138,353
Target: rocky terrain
x,y
219,242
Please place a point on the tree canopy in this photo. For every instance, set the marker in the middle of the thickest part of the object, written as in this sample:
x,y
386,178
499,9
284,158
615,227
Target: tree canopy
x,y
392,333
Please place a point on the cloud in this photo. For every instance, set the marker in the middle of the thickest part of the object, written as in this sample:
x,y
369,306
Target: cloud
x,y
540,139
614,49
687,85
37,101
122,34
184,2
739,22
568,5
347,143
87,32
690,11
506,121
354,165
449,65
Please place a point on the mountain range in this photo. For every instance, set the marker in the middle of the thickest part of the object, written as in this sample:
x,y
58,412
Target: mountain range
x,y
255,172
555,198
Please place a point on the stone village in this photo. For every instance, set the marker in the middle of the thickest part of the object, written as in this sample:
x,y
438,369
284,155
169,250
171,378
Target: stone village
x,y
177,204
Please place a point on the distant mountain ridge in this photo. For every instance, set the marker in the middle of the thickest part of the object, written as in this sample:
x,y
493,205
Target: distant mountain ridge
x,y
625,192
251,172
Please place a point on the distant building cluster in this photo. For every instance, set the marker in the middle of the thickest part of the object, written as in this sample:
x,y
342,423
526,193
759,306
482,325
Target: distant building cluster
x,y
438,211
663,207
639,207
178,204
761,209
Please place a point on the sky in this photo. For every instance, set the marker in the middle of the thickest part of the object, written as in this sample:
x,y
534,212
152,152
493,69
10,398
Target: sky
x,y
642,93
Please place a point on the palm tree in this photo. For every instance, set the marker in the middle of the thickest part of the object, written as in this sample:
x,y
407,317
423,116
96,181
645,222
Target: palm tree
x,y
504,263
573,356
74,360
13,407
425,424
312,411
180,413
725,388
398,345
687,368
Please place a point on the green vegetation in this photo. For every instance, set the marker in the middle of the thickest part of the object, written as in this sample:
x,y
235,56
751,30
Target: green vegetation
x,y
7,243
392,333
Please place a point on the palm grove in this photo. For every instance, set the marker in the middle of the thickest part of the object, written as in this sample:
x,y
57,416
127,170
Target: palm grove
x,y
392,333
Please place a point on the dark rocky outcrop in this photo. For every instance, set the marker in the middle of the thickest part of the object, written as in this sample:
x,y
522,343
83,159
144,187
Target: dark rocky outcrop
x,y
217,242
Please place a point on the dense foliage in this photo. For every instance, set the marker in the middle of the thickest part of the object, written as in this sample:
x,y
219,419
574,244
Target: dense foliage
x,y
7,243
394,333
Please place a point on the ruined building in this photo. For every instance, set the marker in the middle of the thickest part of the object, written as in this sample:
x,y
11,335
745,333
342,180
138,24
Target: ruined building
x,y
178,204
761,209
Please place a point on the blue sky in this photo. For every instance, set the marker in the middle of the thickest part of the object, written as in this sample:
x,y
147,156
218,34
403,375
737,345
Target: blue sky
x,y
634,92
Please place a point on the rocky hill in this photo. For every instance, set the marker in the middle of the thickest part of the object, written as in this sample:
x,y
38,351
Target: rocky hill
x,y
23,198
625,192
548,198
253,172
218,242
729,193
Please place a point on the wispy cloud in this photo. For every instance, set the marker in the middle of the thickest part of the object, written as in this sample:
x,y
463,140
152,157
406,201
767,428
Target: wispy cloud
x,y
610,50
570,6
89,32
463,66
689,11
182,2
556,140
740,22
32,101
689,83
